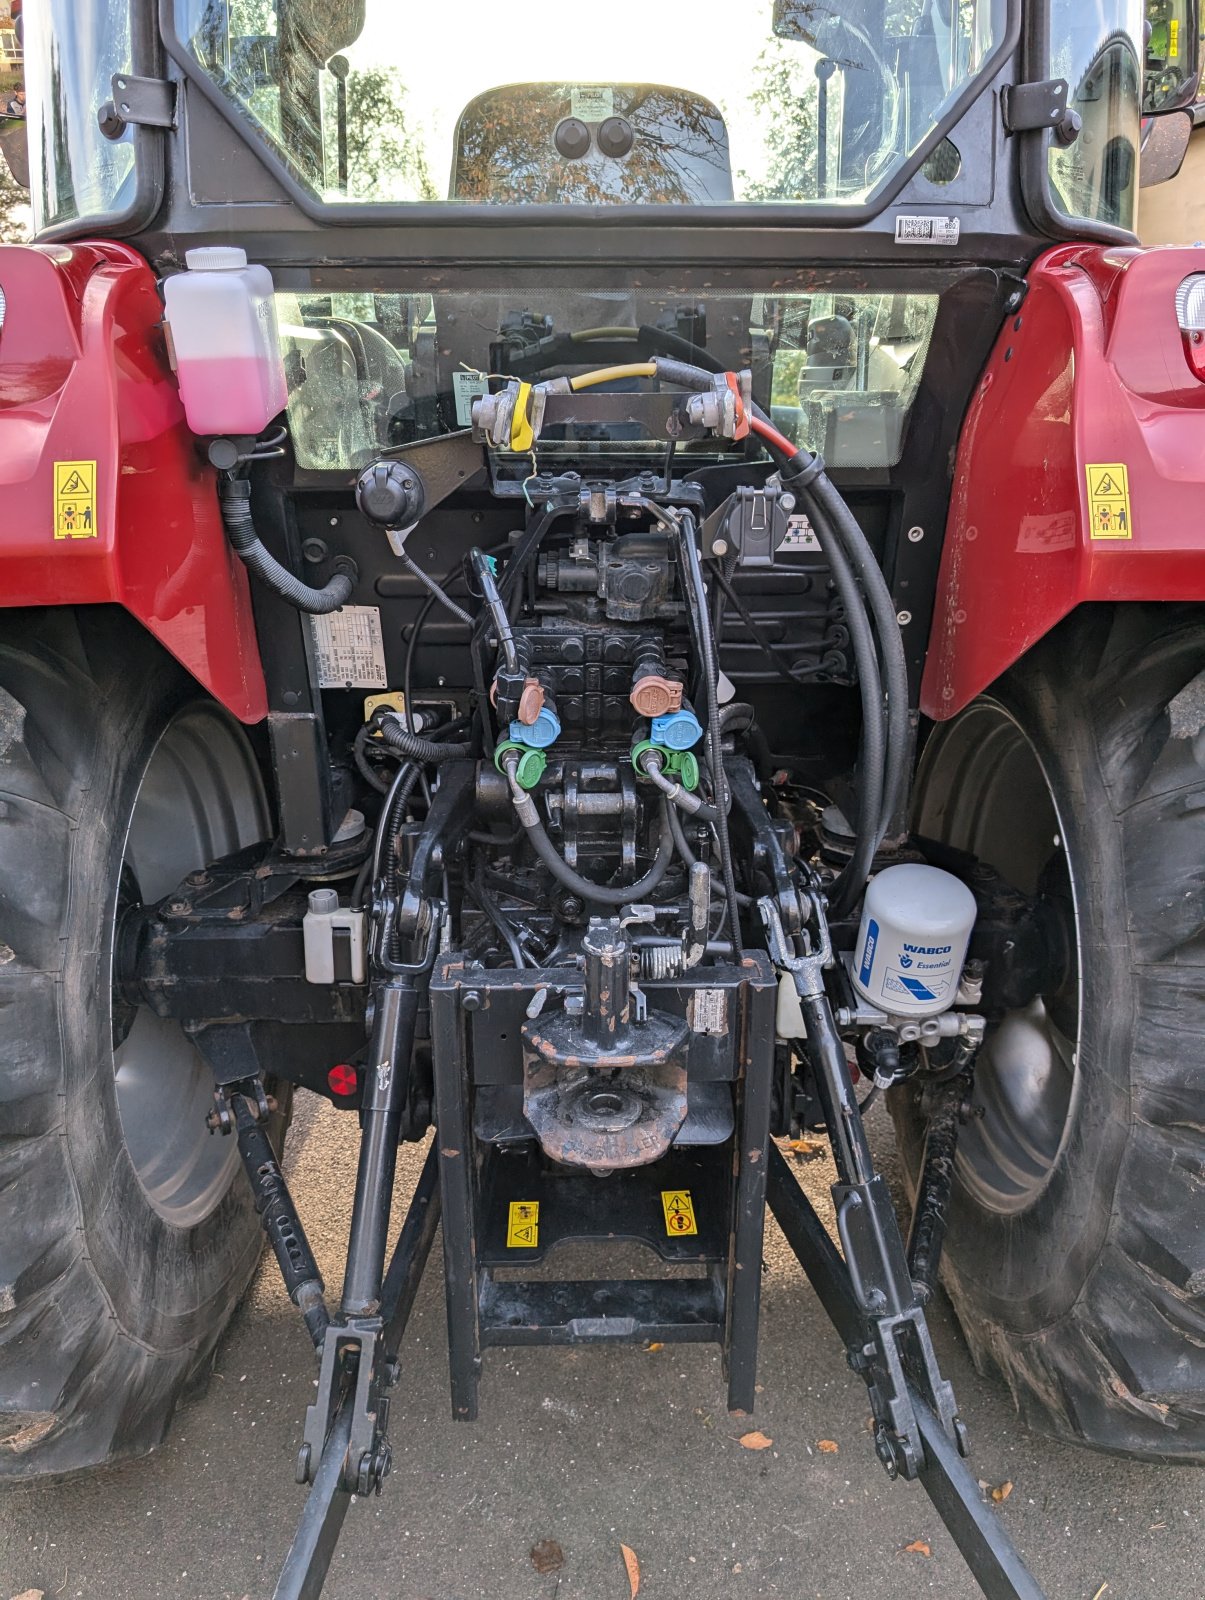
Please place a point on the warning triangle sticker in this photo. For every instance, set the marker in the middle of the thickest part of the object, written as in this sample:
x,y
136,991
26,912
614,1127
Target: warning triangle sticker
x,y
1105,484
75,485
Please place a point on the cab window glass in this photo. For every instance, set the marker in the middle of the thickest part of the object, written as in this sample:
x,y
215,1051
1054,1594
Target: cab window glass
x,y
370,371
72,51
376,101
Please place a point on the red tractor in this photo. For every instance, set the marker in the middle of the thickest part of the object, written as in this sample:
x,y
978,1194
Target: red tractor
x,y
618,617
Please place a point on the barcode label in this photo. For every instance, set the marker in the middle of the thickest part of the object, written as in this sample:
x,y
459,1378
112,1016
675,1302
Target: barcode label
x,y
467,387
927,230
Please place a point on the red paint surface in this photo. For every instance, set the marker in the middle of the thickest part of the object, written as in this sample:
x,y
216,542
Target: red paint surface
x,y
1095,373
84,377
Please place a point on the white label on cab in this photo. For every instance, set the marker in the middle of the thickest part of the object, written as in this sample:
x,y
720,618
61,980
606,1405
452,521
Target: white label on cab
x,y
927,230
467,387
592,105
350,649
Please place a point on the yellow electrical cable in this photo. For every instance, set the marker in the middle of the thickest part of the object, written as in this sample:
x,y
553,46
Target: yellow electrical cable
x,y
586,334
636,369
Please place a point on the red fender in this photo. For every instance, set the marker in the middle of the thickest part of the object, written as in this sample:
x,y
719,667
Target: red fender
x,y
85,383
1090,373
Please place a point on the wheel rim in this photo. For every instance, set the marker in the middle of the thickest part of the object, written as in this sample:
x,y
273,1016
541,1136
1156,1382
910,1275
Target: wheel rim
x,y
982,788
200,798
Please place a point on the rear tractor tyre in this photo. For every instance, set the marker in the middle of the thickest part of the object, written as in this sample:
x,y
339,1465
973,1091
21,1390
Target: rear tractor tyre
x,y
1075,1257
127,1233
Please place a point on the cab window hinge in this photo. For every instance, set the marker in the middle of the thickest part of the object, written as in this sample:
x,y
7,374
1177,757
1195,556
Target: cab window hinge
x,y
1029,106
137,102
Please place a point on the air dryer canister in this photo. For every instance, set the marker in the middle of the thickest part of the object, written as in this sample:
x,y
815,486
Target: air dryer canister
x,y
912,940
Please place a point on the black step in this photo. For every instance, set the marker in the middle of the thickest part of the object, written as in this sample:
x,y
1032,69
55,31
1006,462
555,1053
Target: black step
x,y
602,1311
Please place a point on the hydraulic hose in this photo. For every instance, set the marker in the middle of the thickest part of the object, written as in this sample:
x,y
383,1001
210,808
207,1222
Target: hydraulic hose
x,y
831,515
597,894
234,498
650,766
693,571
435,590
827,504
484,574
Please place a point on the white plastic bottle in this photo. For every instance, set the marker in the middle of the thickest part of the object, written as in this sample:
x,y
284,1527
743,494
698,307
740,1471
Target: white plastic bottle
x,y
912,942
223,328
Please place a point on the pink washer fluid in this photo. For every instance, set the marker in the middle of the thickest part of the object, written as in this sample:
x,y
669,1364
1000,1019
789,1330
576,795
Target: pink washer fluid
x,y
223,329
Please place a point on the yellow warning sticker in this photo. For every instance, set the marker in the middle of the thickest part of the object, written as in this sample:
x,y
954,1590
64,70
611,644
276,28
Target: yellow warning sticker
x,y
75,499
523,1225
679,1211
1109,501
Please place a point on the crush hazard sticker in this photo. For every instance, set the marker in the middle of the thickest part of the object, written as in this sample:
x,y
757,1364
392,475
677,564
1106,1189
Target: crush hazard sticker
x,y
1109,514
679,1211
75,499
523,1225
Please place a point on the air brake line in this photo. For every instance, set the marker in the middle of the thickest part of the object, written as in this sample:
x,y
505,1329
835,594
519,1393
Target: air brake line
x,y
634,369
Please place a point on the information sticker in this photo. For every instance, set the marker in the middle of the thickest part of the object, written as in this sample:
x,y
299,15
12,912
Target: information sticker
x,y
593,105
1109,500
679,1211
349,648
523,1225
467,387
75,499
927,230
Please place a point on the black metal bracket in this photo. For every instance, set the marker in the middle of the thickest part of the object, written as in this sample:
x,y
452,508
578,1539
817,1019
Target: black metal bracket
x,y
137,102
1027,107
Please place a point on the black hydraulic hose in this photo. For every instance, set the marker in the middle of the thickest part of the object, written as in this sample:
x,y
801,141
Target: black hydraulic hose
x,y
871,820
736,717
767,647
693,570
682,846
234,499
495,914
415,748
847,551
597,894
484,574
650,765
435,590
827,505
679,836
359,745
510,585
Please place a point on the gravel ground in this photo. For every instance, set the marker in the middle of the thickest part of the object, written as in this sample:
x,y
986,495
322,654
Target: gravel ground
x,y
592,1449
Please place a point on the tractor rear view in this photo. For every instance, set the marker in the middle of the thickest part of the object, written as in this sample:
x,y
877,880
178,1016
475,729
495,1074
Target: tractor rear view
x,y
601,622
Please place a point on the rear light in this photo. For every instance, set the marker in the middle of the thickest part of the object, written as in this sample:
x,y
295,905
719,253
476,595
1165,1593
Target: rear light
x,y
343,1080
1190,314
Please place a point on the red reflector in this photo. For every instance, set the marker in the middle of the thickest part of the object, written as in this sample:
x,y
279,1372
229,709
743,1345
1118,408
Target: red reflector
x,y
343,1080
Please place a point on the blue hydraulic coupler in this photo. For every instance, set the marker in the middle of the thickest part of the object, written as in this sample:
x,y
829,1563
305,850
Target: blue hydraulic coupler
x,y
545,730
677,730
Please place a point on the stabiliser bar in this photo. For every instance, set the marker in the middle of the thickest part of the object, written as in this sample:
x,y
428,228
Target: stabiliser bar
x,y
941,1470
309,1557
